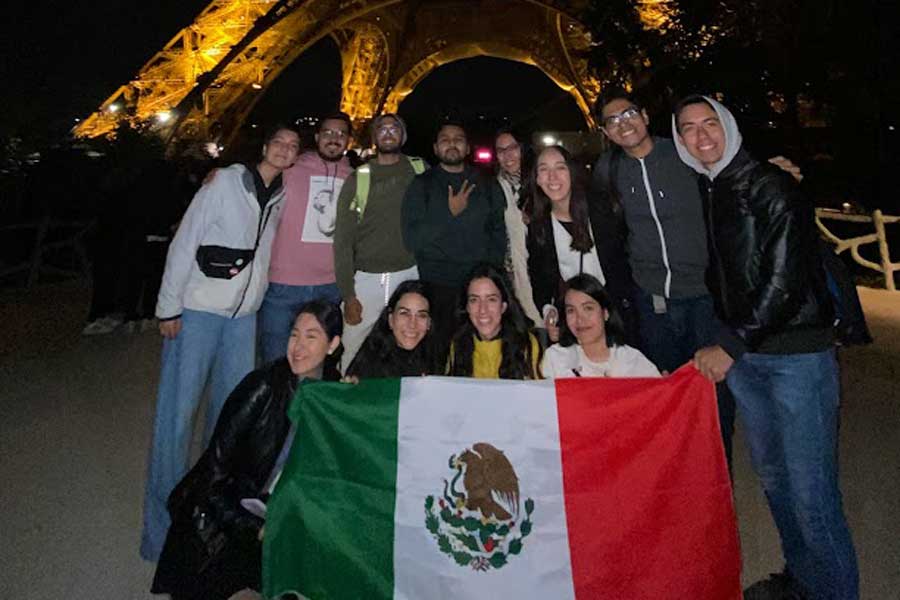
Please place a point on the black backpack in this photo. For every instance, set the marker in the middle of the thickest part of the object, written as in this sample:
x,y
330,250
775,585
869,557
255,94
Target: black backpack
x,y
849,320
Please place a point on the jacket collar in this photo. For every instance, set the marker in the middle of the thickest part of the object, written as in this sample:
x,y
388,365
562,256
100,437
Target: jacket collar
x,y
741,163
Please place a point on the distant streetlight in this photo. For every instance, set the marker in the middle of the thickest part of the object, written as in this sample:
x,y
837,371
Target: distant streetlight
x,y
163,116
256,86
548,140
114,107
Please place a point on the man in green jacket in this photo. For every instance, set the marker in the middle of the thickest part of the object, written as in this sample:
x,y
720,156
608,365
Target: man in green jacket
x,y
370,260
452,220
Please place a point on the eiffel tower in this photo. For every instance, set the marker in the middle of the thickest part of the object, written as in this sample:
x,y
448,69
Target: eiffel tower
x,y
207,79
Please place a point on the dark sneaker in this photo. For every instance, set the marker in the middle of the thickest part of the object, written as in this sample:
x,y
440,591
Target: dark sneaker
x,y
779,586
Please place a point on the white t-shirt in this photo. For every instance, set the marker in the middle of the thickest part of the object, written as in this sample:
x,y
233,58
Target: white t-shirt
x,y
571,361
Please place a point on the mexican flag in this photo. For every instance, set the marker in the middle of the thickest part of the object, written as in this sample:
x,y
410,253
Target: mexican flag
x,y
434,487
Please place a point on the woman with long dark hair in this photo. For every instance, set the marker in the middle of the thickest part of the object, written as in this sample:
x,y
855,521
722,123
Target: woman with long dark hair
x,y
212,549
592,337
493,342
567,237
513,159
400,343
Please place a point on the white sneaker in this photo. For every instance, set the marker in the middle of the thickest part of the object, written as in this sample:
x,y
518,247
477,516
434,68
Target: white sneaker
x,y
111,322
98,327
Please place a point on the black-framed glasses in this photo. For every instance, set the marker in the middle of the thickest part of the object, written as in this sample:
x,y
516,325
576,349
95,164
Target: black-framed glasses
x,y
618,119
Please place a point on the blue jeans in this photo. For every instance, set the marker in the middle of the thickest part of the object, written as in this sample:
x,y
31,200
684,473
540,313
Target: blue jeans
x,y
789,406
207,345
279,310
670,340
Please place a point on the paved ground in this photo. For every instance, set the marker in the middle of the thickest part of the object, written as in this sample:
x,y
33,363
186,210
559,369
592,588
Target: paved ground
x,y
75,418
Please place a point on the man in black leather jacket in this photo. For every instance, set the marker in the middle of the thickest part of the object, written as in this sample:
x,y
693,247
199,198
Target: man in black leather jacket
x,y
776,349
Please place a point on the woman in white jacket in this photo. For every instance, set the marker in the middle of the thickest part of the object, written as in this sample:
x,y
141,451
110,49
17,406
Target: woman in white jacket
x,y
215,278
591,337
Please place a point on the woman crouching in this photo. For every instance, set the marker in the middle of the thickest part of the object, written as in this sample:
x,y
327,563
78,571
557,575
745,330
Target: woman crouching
x,y
212,549
400,344
591,341
494,341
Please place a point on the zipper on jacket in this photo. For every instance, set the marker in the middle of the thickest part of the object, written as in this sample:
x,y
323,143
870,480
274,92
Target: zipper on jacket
x,y
723,285
259,229
662,236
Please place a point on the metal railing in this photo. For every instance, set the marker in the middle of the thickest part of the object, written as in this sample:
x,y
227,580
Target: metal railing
x,y
77,230
879,221
50,235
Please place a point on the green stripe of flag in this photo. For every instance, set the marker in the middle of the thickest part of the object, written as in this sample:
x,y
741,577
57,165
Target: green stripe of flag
x,y
329,529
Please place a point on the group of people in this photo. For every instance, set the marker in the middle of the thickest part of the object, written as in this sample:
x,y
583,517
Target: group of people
x,y
680,250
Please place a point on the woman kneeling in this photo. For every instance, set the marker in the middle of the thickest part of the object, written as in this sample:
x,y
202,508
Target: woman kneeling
x,y
493,342
213,547
591,338
400,344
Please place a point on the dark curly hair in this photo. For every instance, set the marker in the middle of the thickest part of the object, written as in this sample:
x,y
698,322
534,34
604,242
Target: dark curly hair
x,y
379,355
517,352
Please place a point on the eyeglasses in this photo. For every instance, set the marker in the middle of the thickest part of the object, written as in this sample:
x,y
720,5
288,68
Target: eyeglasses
x,y
333,133
617,120
388,129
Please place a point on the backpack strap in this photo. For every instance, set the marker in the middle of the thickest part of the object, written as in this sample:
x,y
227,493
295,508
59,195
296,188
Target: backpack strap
x,y
363,178
417,164
363,181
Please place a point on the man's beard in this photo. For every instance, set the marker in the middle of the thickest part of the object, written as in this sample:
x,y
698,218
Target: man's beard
x,y
327,158
391,149
452,162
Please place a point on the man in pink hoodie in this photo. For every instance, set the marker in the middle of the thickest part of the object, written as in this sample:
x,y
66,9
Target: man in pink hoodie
x,y
302,267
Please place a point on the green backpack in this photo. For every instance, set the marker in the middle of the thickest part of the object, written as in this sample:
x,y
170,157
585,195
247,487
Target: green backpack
x,y
364,178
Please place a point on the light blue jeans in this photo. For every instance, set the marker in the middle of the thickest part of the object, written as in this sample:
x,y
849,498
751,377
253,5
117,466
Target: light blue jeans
x,y
279,310
208,348
789,406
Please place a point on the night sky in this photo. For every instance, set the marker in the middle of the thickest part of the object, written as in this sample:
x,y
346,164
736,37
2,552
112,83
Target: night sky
x,y
61,60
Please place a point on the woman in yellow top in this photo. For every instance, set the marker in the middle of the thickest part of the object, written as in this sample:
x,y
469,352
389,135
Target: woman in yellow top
x,y
494,342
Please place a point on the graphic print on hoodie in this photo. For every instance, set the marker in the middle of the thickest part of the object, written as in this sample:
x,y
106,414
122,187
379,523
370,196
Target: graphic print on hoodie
x,y
302,253
321,207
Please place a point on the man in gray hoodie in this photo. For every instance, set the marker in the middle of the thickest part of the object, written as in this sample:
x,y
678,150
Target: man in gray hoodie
x,y
643,185
642,182
775,347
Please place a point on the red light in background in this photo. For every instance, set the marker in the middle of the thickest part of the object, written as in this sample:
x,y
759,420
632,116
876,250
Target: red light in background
x,y
483,155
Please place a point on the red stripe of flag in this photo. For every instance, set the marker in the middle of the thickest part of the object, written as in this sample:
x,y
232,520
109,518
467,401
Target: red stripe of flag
x,y
648,497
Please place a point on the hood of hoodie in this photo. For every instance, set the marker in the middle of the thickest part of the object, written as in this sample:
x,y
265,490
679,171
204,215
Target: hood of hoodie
x,y
733,142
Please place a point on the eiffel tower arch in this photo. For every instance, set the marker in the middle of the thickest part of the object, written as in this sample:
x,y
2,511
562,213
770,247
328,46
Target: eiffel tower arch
x,y
208,78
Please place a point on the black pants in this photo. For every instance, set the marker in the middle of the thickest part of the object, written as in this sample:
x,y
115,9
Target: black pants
x,y
142,277
444,316
106,252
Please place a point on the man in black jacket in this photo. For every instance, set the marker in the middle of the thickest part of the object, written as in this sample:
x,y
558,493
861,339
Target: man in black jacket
x,y
775,349
452,221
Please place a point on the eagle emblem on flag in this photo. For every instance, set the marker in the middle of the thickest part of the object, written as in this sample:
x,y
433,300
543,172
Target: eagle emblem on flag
x,y
477,520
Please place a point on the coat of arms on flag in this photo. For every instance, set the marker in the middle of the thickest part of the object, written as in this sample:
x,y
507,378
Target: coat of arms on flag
x,y
480,525
437,487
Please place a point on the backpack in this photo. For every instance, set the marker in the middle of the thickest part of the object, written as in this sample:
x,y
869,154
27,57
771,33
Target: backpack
x,y
849,320
364,179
